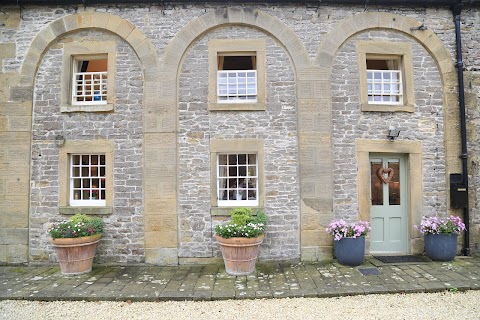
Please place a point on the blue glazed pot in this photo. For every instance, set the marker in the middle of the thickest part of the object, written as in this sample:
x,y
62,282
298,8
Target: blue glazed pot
x,y
350,251
441,247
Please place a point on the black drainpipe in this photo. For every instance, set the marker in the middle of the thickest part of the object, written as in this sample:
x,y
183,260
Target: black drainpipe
x,y
457,10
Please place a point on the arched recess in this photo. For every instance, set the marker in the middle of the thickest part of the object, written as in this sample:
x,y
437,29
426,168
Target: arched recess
x,y
21,94
433,45
314,131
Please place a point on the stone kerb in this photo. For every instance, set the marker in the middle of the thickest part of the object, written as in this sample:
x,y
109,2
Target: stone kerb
x,y
346,29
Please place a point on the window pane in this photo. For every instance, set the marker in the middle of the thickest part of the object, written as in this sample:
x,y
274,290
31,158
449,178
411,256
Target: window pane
x,y
242,159
232,159
252,171
222,171
394,184
223,194
376,183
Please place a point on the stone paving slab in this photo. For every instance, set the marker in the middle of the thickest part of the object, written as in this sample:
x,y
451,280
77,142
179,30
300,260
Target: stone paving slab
x,y
211,282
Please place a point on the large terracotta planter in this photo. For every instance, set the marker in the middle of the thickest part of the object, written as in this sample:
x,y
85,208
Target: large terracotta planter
x,y
350,251
441,247
239,254
75,255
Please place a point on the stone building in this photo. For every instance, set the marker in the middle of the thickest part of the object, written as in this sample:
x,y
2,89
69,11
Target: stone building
x,y
161,117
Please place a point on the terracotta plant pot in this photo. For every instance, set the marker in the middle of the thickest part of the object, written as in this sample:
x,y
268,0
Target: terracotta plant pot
x,y
239,254
75,255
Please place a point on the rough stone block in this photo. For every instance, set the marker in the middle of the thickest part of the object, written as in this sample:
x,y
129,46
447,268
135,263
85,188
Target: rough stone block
x,y
6,82
135,37
162,256
160,222
124,29
7,50
21,93
20,123
163,239
3,123
10,18
17,253
310,253
3,253
14,236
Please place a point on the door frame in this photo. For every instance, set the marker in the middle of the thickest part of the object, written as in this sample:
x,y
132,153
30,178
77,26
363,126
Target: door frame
x,y
413,154
401,208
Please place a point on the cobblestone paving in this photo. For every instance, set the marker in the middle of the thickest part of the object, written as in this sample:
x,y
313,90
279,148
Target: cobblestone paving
x,y
210,282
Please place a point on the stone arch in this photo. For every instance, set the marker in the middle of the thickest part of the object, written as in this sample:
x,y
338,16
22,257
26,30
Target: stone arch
x,y
164,120
143,47
346,29
21,93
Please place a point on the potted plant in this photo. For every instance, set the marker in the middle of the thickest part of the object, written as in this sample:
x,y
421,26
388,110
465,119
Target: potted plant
x,y
75,241
440,236
240,240
349,241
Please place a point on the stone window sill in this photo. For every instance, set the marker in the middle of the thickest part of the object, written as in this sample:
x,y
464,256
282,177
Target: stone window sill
x,y
86,210
387,108
225,211
257,106
87,108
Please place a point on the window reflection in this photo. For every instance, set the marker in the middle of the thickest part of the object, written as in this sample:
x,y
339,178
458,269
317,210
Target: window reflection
x,y
394,184
376,183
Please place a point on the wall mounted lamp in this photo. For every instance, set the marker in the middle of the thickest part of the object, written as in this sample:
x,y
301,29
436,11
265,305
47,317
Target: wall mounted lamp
x,y
59,140
393,133
420,27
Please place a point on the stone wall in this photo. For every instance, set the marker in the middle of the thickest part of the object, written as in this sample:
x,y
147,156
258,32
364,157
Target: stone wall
x,y
123,239
294,189
276,126
349,123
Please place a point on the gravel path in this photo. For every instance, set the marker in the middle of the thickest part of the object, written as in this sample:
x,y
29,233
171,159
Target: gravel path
x,y
445,305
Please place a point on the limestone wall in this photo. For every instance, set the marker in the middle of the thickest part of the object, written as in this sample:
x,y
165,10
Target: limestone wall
x,y
161,125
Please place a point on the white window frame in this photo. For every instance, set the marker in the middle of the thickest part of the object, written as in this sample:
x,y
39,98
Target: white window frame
x,y
75,193
236,48
401,54
237,86
92,85
386,83
73,52
246,188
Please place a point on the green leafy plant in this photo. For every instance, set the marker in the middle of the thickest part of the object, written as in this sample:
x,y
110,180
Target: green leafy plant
x,y
244,224
80,225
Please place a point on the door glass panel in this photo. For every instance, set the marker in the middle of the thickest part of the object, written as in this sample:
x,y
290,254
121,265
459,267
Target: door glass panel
x,y
394,184
376,183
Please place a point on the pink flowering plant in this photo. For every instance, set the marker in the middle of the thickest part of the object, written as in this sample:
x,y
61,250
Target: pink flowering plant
x,y
341,229
243,224
80,225
437,225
